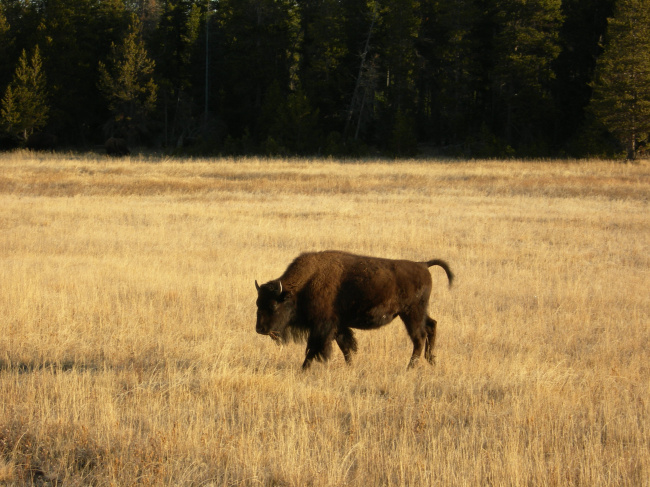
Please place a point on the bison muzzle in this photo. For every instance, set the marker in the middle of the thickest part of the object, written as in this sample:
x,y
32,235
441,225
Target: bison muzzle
x,y
324,295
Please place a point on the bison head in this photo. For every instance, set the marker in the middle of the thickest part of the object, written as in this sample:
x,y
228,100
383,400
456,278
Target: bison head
x,y
276,309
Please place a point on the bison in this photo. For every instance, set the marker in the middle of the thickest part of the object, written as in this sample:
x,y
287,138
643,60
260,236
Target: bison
x,y
42,141
323,295
116,147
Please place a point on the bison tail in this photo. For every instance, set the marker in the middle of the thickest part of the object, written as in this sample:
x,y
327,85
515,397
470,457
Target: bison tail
x,y
445,266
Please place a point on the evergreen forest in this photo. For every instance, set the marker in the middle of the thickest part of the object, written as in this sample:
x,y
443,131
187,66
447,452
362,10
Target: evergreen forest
x,y
462,78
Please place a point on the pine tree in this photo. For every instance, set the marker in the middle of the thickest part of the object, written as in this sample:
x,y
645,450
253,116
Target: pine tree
x,y
399,26
175,39
526,45
365,84
294,124
24,107
72,35
324,48
585,23
5,46
175,51
621,96
258,46
450,88
127,84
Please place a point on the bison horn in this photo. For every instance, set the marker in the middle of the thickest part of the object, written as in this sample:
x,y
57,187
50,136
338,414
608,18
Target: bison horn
x,y
280,291
257,286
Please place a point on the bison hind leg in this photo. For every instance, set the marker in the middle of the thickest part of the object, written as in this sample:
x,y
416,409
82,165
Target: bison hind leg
x,y
431,340
415,322
347,343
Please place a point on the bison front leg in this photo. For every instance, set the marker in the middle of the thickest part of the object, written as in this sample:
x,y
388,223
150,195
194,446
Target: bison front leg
x,y
418,345
319,347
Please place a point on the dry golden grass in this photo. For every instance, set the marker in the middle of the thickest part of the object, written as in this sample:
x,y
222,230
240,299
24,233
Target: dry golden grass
x,y
127,345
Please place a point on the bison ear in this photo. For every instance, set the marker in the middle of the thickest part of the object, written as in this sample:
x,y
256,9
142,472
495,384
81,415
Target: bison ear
x,y
257,286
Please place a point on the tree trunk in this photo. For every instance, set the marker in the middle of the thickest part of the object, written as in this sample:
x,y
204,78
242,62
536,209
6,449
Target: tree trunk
x,y
355,94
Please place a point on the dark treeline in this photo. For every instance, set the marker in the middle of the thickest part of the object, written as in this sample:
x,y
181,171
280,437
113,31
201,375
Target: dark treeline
x,y
343,77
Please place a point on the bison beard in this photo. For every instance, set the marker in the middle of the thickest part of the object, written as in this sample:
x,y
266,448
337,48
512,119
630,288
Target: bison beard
x,y
323,295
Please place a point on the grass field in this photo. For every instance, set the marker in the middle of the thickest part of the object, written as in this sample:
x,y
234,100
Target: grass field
x,y
128,353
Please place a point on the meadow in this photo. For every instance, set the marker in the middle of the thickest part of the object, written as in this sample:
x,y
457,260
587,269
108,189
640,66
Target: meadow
x,y
128,354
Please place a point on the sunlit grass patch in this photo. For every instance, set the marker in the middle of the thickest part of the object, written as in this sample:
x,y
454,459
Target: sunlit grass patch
x,y
127,303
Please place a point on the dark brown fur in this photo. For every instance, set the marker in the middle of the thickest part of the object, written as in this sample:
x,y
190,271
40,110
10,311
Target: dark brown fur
x,y
41,141
323,295
116,147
